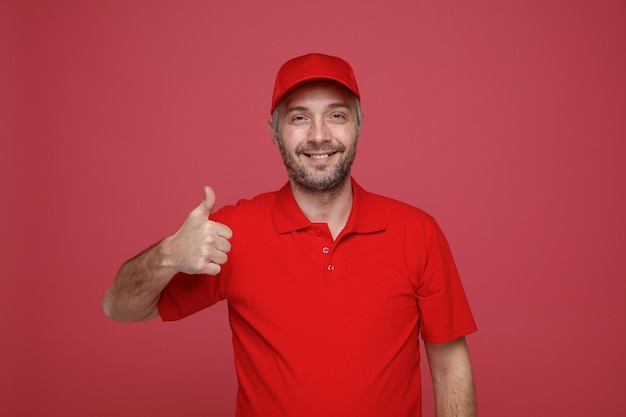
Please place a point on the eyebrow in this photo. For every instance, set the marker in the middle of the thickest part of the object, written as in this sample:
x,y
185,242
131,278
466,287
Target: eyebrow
x,y
338,105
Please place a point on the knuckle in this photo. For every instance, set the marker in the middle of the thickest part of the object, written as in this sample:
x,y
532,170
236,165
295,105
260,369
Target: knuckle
x,y
200,265
213,269
219,258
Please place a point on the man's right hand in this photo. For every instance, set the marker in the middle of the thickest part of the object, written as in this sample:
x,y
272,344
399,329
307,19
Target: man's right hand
x,y
200,246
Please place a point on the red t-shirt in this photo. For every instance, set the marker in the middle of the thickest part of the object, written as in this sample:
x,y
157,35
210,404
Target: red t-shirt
x,y
325,327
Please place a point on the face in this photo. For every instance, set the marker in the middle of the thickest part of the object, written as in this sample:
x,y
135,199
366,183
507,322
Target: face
x,y
317,135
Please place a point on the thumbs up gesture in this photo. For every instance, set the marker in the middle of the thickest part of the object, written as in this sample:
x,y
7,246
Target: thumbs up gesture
x,y
200,246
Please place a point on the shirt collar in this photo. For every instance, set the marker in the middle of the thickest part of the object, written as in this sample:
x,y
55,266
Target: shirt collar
x,y
366,216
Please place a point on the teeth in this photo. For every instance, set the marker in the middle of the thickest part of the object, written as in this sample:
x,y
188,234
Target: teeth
x,y
324,156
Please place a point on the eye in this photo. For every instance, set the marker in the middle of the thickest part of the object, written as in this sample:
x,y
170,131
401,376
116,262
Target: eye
x,y
338,116
297,118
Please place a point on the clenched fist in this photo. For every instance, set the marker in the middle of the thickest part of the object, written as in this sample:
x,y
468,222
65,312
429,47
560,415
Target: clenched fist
x,y
200,246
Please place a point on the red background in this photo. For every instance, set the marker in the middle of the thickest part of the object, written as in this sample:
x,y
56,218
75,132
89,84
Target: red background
x,y
505,120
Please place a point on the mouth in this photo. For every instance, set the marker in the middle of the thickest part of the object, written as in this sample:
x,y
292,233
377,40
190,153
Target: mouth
x,y
319,156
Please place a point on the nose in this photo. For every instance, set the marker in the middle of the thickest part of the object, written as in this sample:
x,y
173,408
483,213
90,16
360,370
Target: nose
x,y
318,131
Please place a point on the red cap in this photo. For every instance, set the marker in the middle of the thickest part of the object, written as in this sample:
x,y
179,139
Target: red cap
x,y
312,67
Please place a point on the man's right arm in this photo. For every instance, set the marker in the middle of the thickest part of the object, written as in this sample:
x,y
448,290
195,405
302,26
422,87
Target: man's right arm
x,y
200,246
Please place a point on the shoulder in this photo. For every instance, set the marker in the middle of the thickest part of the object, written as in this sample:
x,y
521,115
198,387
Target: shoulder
x,y
246,209
396,211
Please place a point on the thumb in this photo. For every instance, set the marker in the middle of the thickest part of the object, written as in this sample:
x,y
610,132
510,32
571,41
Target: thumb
x,y
209,201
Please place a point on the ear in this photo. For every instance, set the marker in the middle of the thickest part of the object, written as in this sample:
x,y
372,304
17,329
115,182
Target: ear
x,y
360,125
270,125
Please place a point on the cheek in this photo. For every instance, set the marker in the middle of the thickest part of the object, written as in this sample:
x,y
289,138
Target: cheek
x,y
286,144
290,137
347,136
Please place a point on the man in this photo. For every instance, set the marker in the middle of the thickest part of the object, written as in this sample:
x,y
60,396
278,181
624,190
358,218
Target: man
x,y
328,286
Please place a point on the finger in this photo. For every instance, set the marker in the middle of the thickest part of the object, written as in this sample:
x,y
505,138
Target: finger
x,y
216,230
222,245
218,257
207,204
223,230
211,268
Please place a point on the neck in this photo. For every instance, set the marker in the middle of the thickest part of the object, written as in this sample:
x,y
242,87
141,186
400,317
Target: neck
x,y
331,207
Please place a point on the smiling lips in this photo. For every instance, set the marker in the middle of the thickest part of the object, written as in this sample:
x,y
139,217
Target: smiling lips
x,y
319,153
319,156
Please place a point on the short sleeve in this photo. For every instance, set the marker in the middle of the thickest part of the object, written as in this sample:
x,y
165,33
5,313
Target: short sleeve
x,y
187,294
444,309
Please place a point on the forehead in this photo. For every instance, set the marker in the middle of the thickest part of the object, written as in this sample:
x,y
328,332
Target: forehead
x,y
318,92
